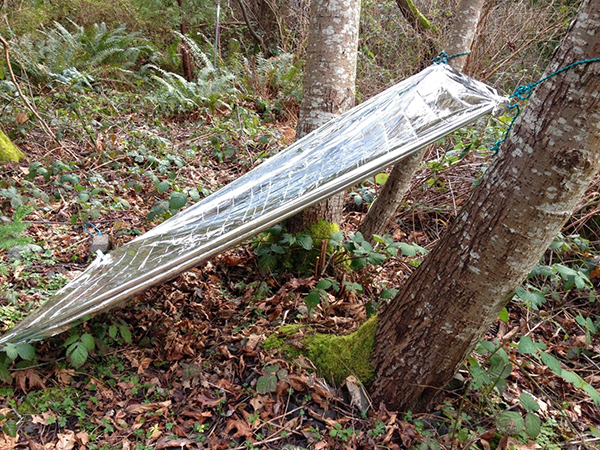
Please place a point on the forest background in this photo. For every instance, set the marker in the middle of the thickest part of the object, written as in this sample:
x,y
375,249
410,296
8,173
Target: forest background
x,y
123,121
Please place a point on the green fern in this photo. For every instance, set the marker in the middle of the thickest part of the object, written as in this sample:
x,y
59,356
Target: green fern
x,y
92,52
11,234
177,94
278,78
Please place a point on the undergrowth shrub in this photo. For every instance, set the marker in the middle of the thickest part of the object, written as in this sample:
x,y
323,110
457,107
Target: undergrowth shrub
x,y
176,94
79,56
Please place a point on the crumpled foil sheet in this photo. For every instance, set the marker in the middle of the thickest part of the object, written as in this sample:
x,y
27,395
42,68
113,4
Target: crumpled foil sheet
x,y
354,146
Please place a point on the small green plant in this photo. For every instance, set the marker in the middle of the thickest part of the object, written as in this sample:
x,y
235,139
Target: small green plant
x,y
275,248
342,434
11,234
78,348
267,383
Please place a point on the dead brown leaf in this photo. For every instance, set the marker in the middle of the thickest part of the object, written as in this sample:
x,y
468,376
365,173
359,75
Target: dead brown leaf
x,y
66,440
43,418
165,442
64,376
28,377
140,409
241,427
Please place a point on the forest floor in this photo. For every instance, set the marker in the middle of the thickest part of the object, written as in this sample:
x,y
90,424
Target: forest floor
x,y
186,367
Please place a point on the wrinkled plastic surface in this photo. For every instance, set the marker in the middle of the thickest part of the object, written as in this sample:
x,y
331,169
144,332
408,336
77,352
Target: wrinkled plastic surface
x,y
350,148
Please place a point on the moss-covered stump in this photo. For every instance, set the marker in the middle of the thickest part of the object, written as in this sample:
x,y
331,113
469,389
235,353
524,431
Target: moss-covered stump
x,y
335,357
9,152
304,261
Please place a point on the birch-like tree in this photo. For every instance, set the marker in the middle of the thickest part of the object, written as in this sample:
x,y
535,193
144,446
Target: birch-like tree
x,y
461,34
518,208
329,81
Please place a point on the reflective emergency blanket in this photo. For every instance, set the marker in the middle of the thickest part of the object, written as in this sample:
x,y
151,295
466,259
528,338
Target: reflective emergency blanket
x,y
346,150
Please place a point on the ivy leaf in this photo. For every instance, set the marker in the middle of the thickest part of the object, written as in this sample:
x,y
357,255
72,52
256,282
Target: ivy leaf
x,y
177,200
194,194
388,293
266,383
163,186
533,299
407,249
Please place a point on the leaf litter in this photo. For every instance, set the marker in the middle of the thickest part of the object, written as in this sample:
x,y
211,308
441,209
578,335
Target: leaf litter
x,y
195,374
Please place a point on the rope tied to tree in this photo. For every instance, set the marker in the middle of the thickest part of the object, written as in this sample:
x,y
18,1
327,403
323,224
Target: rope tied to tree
x,y
523,92
443,57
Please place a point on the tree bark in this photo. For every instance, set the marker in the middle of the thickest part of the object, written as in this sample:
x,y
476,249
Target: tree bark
x,y
9,152
328,89
386,205
520,205
415,17
186,61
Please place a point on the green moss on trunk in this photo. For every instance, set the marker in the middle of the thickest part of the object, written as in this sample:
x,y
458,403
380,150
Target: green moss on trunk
x,y
413,15
335,357
9,152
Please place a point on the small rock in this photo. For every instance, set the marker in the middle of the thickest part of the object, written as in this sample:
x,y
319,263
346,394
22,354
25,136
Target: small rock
x,y
20,252
100,242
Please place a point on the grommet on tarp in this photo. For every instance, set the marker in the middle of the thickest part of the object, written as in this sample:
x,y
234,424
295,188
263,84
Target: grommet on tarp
x,y
100,242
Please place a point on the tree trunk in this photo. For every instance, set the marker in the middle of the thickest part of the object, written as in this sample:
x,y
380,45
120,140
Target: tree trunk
x,y
186,61
415,17
9,152
520,205
385,207
328,89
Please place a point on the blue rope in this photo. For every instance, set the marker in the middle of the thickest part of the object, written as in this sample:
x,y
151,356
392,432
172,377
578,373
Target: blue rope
x,y
89,232
443,57
523,93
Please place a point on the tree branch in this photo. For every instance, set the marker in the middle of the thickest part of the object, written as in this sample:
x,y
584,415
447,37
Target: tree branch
x,y
29,105
414,16
255,36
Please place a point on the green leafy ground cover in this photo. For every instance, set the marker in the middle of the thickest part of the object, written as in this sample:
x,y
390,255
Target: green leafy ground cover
x,y
183,364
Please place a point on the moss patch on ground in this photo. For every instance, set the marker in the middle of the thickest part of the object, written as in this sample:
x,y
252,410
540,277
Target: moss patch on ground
x,y
335,357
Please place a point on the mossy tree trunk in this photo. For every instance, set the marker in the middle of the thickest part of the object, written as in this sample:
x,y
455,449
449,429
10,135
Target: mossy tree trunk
x,y
329,82
385,207
9,152
518,208
415,17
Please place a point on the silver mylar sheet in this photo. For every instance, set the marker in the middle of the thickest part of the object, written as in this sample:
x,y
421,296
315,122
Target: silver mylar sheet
x,y
350,148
